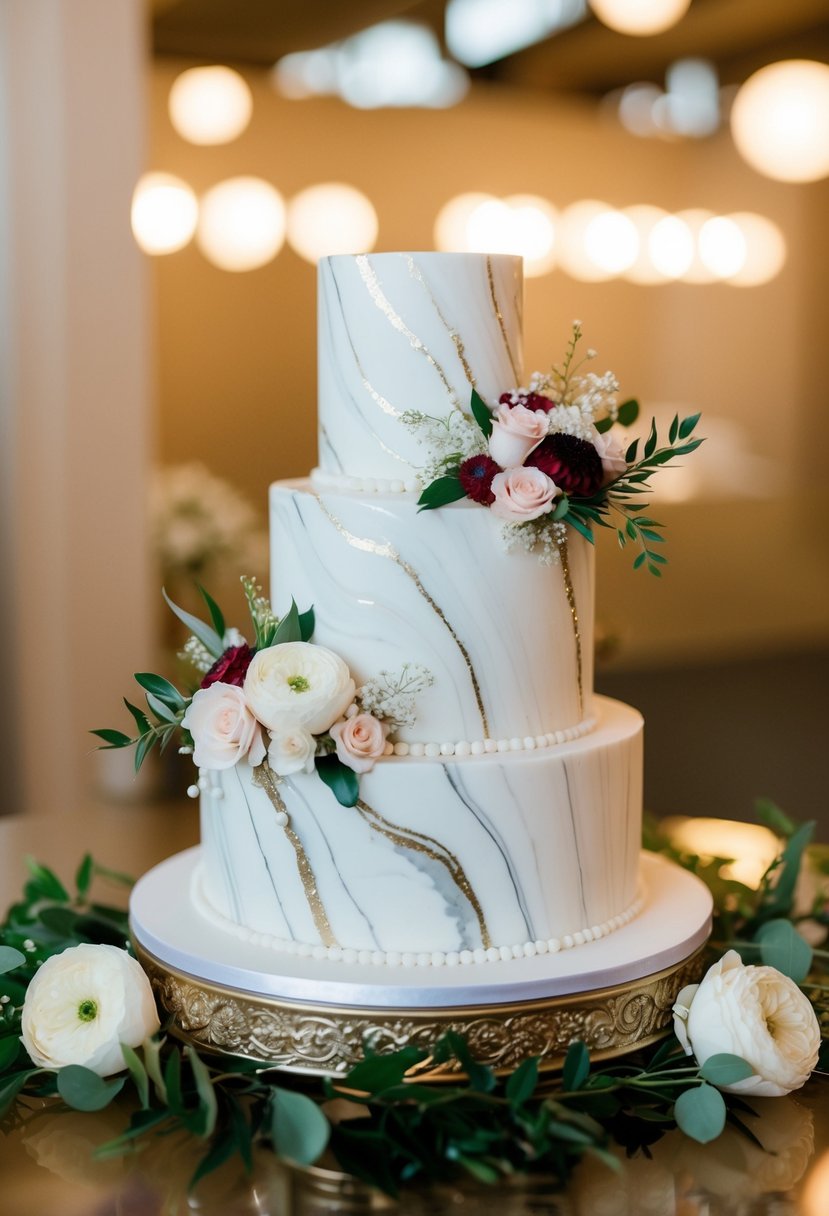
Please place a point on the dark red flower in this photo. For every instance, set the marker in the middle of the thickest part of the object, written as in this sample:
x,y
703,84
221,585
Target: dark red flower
x,y
475,475
230,668
574,464
531,401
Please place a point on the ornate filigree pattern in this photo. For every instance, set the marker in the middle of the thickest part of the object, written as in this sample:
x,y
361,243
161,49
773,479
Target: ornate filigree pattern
x,y
329,1039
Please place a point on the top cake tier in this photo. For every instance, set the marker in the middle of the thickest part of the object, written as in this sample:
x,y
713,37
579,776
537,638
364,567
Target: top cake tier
x,y
409,331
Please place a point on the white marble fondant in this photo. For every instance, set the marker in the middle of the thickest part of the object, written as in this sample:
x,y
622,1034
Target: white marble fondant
x,y
409,331
390,584
444,855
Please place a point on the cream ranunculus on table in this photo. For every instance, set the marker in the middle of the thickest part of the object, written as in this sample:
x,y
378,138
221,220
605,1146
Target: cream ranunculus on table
x,y
47,1163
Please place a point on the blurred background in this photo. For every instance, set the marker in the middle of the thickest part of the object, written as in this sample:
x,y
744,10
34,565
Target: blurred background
x,y
170,170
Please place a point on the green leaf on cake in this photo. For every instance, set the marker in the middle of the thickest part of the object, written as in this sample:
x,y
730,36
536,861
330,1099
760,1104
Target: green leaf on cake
x,y
481,413
340,779
83,1089
208,637
700,1113
289,628
440,492
216,615
299,1129
307,623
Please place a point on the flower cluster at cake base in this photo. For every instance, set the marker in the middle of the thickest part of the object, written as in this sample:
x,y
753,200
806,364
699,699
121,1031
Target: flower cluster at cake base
x,y
546,458
283,698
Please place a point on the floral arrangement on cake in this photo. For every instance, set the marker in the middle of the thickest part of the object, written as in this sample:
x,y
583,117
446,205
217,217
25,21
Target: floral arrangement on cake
x,y
547,458
284,699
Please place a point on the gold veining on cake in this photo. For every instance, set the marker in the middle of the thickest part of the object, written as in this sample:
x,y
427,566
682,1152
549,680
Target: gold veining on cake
x,y
376,292
414,271
500,317
561,541
410,839
265,779
366,545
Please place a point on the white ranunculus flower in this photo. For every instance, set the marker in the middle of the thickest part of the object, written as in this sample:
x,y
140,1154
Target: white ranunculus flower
x,y
83,1004
298,682
292,749
753,1012
223,728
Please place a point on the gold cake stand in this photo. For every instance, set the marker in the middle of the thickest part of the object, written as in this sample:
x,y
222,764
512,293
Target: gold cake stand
x,y
316,1017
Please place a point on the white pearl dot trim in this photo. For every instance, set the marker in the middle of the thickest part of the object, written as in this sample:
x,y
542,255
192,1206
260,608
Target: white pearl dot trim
x,y
397,958
366,485
480,747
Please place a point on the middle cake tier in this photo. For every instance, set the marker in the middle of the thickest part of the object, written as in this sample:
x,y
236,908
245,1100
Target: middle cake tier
x,y
508,639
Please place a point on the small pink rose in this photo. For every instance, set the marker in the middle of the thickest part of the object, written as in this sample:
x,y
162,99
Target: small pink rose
x,y
522,494
515,432
611,451
360,741
223,728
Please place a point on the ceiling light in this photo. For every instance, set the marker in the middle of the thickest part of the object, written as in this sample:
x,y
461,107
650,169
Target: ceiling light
x,y
780,120
644,218
573,255
480,31
241,224
722,247
331,218
451,225
765,248
164,213
611,242
210,105
671,247
640,17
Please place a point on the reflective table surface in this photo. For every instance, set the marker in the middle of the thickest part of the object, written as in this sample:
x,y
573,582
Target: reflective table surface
x,y
47,1166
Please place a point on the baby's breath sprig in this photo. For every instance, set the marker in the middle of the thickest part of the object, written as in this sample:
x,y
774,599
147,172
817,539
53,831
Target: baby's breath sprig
x,y
391,696
265,622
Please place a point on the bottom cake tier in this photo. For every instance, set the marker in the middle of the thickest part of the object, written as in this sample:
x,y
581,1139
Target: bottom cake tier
x,y
442,861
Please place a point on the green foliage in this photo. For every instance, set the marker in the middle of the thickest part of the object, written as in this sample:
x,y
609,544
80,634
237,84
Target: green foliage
x,y
441,491
340,779
83,1089
481,413
299,1130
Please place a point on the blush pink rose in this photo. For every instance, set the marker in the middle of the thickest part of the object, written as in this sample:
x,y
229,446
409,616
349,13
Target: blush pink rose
x,y
611,451
223,728
522,494
515,432
360,740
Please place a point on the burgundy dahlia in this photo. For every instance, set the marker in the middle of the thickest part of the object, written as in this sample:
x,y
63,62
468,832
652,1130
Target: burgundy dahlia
x,y
230,668
574,464
530,401
475,475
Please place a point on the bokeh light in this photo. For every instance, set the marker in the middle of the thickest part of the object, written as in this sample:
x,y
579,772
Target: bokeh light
x,y
780,120
330,218
452,222
611,242
210,105
573,255
164,213
241,223
644,218
722,247
671,247
640,17
765,249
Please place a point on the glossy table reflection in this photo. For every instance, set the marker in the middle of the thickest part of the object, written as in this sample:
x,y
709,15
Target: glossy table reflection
x,y
47,1167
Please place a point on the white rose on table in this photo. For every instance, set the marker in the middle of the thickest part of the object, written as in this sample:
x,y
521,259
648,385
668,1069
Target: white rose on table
x,y
753,1012
522,494
515,432
298,682
83,1004
292,749
360,740
223,728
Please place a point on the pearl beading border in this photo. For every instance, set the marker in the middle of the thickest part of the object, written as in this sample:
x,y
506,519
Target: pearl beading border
x,y
481,747
409,958
365,485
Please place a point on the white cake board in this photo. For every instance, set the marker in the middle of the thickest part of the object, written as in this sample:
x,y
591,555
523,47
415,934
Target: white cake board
x,y
314,1016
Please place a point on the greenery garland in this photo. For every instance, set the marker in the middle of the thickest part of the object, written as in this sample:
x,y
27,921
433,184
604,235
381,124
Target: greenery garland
x,y
400,1128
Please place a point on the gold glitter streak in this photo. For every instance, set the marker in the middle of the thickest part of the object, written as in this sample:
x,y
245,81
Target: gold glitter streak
x,y
414,271
408,838
561,541
500,317
264,778
376,292
366,545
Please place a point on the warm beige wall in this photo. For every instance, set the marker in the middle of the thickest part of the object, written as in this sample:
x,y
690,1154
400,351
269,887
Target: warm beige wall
x,y
236,353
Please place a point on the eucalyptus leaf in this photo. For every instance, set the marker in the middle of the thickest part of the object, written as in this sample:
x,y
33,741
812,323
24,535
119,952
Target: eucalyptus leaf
x,y
83,1089
138,1073
208,1106
522,1083
161,688
481,413
340,779
208,636
561,508
161,711
576,1066
380,1072
152,1063
700,1113
726,1069
781,946
10,959
440,492
299,1130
